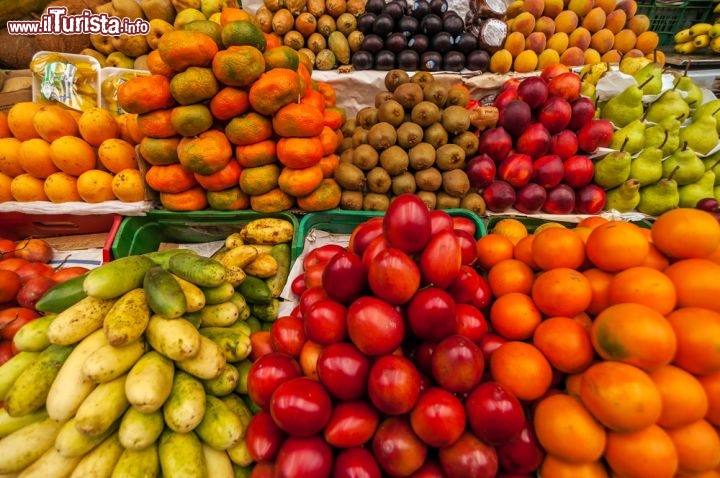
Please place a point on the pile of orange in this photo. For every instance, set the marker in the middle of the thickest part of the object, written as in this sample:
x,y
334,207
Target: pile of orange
x,y
51,153
238,126
612,332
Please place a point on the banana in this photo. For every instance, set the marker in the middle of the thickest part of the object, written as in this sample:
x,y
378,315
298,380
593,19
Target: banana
x,y
717,8
701,41
683,36
715,44
685,48
714,32
699,29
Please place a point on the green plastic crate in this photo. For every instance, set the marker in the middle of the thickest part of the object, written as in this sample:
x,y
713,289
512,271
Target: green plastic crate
x,y
141,234
532,223
667,19
339,221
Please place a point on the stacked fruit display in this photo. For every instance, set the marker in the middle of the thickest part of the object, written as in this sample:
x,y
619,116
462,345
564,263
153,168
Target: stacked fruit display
x,y
576,33
697,37
425,35
50,153
141,367
536,159
414,140
235,127
447,374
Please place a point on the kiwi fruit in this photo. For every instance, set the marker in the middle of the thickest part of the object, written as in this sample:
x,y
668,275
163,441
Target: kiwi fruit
x,y
468,141
404,183
376,202
455,183
394,160
395,78
436,135
428,197
458,96
429,179
421,156
378,180
473,202
367,117
435,92
382,97
446,201
359,136
351,200
450,156
391,112
346,156
408,94
348,127
365,157
349,177
409,134
344,145
455,119
425,113
382,135
422,78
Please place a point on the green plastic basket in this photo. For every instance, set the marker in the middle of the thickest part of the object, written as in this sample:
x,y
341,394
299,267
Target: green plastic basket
x,y
141,234
668,19
339,221
532,223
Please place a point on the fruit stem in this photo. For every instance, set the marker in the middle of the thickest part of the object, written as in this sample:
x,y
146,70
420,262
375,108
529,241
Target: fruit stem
x,y
687,67
665,140
672,173
622,148
684,146
647,80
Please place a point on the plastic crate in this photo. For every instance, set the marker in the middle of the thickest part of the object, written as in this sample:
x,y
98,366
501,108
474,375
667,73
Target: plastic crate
x,y
666,19
339,221
142,234
532,223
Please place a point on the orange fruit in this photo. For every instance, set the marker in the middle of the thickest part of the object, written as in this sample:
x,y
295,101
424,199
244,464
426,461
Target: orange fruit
x,y
191,120
96,125
181,49
62,187
324,197
600,286
192,199
328,91
157,66
643,285
561,292
697,283
249,128
300,182
715,256
329,164
156,124
20,120
274,200
243,33
172,178
283,56
514,316
5,194
698,339
510,275
129,186
4,128
225,178
313,98
10,157
298,120
34,157
711,385
566,429
511,228
553,467
558,247
129,130
275,89
329,139
95,186
634,334
686,232
522,369
299,152
492,249
645,453
24,187
240,66
194,85
697,445
52,122
565,343
206,153
592,222
683,397
160,151
73,155
256,154
523,251
231,199
334,117
228,103
117,154
147,93
231,14
617,245
620,396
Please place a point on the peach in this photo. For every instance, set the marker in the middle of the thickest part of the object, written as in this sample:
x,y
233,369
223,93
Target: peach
x,y
658,56
634,53
566,21
591,56
573,56
515,43
581,7
602,40
501,61
558,42
607,5
509,22
545,25
553,7
534,6
580,38
624,40
639,24
630,7
647,42
594,20
615,20
536,42
548,57
526,62
611,56
514,9
524,23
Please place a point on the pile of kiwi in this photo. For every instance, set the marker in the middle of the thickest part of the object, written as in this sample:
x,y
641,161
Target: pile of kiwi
x,y
416,138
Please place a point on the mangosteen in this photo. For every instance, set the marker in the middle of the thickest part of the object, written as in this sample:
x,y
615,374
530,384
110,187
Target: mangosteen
x,y
375,6
431,24
438,7
453,61
408,60
453,24
372,43
396,42
362,60
385,60
365,22
419,43
383,26
466,43
441,42
407,25
420,8
477,60
431,61
395,9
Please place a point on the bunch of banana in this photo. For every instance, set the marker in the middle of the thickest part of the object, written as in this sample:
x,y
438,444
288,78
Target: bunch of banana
x,y
697,37
141,368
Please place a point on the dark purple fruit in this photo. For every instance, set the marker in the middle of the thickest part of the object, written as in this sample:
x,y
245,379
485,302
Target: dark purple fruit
x,y
396,42
453,61
365,22
438,7
408,25
375,6
466,43
441,42
384,25
431,25
372,43
419,43
453,24
395,9
419,9
362,60
477,60
385,60
408,60
431,61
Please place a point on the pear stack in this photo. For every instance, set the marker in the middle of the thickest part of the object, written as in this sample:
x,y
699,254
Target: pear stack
x,y
666,141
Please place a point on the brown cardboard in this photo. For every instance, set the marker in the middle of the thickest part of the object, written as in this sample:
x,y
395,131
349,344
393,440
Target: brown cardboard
x,y
8,99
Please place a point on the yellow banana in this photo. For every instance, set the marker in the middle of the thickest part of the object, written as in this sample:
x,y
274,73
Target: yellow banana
x,y
685,48
715,44
699,29
683,36
701,41
714,32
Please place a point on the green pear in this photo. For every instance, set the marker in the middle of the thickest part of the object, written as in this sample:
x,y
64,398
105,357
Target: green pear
x,y
631,65
701,135
712,107
587,90
613,169
670,103
716,192
685,166
658,198
690,194
625,197
626,107
593,72
693,93
671,125
632,136
712,163
653,71
646,167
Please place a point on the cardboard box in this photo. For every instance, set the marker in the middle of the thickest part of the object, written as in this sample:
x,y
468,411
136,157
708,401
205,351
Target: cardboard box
x,y
9,98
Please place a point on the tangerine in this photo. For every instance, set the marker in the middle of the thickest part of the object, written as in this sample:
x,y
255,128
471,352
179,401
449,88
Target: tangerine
x,y
556,247
561,291
617,245
522,369
670,233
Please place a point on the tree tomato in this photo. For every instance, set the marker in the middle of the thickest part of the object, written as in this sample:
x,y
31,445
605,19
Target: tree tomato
x,y
495,415
260,344
304,456
298,285
300,406
468,249
325,322
345,277
12,263
373,249
490,343
364,234
312,276
263,437
407,223
9,285
469,456
441,259
522,454
440,221
33,289
7,248
351,424
356,463
344,371
457,364
321,255
287,334
393,384
470,323
263,469
397,449
13,318
375,327
464,224
430,469
385,272
32,269
465,284
67,273
267,373
431,314
309,297
422,355
438,417
309,358
6,351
